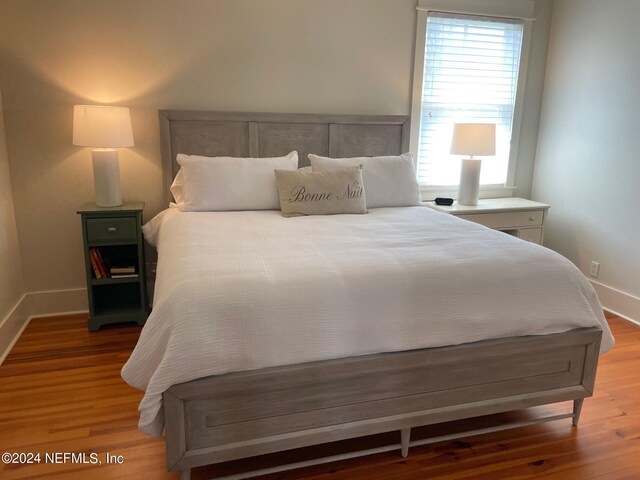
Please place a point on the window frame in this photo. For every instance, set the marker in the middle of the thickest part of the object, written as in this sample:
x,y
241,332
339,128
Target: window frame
x,y
513,9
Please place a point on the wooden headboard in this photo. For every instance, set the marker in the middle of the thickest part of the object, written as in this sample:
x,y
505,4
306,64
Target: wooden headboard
x,y
237,134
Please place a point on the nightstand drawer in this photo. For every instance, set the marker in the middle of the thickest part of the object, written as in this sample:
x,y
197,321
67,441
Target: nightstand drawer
x,y
533,235
123,229
507,219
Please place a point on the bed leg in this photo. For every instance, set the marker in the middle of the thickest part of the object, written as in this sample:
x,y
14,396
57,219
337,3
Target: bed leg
x,y
185,474
405,436
577,408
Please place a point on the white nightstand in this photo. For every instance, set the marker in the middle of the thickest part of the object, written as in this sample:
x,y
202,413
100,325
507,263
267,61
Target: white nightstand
x,y
515,216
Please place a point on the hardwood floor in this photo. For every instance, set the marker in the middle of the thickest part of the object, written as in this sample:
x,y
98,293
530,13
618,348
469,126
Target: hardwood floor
x,y
61,391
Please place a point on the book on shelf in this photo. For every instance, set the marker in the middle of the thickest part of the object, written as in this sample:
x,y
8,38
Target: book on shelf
x,y
123,270
102,264
94,264
98,263
124,275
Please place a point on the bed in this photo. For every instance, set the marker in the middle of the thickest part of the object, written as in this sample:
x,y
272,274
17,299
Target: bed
x,y
270,334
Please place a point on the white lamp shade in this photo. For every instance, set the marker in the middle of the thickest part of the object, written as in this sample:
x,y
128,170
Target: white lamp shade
x,y
474,139
102,126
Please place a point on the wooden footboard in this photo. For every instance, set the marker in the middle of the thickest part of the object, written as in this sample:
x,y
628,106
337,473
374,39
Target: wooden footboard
x,y
244,414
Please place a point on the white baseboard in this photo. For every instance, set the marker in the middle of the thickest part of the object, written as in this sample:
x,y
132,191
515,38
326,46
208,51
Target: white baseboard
x,y
12,326
619,303
38,304
56,302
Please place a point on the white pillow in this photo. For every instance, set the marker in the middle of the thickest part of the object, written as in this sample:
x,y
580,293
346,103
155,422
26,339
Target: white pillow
x,y
389,181
177,188
228,183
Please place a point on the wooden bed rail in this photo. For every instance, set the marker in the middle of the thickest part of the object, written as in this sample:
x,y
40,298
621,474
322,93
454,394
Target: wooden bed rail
x,y
251,413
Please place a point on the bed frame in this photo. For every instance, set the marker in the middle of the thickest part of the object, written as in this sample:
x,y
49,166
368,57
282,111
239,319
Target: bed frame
x,y
244,414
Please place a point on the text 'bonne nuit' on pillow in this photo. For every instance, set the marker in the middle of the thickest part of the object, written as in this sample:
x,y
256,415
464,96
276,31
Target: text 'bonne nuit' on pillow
x,y
321,193
229,183
389,181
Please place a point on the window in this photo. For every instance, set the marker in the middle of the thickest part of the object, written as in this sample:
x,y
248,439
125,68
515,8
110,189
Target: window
x,y
468,72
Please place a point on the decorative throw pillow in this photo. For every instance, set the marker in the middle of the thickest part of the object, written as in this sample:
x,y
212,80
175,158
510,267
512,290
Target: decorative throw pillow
x,y
228,183
321,193
390,181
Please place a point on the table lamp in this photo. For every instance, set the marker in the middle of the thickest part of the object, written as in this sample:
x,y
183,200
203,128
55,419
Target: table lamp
x,y
472,139
105,128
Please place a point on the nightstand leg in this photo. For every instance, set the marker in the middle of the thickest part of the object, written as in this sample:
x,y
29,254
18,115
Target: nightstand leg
x,y
94,325
405,437
577,408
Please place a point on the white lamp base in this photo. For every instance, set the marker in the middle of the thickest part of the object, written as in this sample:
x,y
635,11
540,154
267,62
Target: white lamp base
x,y
469,182
106,177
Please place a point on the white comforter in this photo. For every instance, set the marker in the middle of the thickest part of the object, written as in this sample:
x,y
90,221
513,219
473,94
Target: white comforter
x,y
246,290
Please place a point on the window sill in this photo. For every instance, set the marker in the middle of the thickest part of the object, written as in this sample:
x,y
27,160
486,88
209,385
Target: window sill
x,y
487,191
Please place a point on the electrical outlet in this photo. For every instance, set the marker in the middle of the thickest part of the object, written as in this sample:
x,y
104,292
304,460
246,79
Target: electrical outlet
x,y
594,270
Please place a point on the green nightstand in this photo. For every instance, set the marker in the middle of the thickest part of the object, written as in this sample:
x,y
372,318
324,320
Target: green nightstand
x,y
114,263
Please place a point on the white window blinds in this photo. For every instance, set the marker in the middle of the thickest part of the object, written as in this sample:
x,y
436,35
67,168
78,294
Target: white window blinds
x,y
470,75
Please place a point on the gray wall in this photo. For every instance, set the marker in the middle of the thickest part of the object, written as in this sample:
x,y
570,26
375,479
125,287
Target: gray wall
x,y
588,158
323,56
11,287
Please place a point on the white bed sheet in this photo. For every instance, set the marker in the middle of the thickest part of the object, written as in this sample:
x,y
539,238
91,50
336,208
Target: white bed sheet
x,y
246,290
